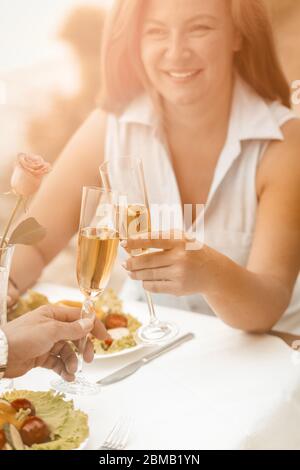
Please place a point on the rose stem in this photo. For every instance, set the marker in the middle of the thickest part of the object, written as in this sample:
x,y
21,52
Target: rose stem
x,y
18,203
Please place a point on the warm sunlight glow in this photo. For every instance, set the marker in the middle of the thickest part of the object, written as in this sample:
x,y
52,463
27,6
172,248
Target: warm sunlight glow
x,y
27,33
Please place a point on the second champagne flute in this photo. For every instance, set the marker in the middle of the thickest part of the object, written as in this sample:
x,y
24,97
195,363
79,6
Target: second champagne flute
x,y
98,242
125,175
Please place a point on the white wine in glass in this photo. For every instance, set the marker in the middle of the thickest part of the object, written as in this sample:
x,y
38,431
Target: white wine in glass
x,y
125,175
97,250
98,242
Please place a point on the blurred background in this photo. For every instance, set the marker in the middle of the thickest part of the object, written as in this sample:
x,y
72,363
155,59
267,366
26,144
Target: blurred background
x,y
49,81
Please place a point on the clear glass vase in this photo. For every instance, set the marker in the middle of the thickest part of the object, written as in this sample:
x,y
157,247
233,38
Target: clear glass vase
x,y
6,254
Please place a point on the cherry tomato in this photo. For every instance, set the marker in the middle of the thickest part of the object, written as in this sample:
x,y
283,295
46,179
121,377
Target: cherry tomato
x,y
2,439
108,341
115,320
22,403
34,431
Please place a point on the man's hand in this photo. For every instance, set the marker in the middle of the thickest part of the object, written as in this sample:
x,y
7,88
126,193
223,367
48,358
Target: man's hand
x,y
40,339
13,294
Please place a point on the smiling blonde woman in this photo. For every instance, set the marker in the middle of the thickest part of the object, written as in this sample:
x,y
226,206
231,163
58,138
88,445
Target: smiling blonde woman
x,y
195,89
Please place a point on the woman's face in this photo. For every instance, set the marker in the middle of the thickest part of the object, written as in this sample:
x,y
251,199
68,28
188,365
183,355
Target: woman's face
x,y
187,48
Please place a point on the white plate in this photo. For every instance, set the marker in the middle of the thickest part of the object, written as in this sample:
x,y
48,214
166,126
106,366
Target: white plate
x,y
119,353
83,445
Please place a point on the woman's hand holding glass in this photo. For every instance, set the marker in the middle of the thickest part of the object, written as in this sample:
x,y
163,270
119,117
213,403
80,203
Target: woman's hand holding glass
x,y
181,267
126,176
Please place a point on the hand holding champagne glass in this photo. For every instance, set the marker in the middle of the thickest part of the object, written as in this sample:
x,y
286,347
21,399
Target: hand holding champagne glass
x,y
126,176
98,242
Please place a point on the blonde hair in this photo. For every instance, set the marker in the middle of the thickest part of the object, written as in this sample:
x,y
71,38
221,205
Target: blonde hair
x,y
122,72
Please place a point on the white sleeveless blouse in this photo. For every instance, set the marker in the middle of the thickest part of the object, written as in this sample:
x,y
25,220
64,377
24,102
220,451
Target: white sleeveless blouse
x,y
230,211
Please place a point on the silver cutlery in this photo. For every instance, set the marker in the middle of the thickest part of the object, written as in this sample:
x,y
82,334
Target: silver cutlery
x,y
134,366
118,437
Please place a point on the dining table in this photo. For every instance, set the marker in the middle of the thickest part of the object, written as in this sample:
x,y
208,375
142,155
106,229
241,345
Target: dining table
x,y
224,389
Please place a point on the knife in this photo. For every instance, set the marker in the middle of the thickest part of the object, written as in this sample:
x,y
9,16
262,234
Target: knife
x,y
134,366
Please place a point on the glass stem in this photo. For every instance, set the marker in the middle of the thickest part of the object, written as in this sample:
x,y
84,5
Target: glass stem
x,y
87,311
153,318
82,344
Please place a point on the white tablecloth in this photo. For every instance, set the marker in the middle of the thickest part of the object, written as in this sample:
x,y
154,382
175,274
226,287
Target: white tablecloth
x,y
223,390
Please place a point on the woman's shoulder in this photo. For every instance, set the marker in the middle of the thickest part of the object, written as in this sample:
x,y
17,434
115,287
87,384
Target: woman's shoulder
x,y
280,165
282,114
255,117
290,142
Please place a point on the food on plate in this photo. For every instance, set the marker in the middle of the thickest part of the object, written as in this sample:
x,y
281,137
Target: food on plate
x,y
13,438
56,425
115,320
32,301
108,342
121,326
118,333
34,431
23,404
108,303
122,338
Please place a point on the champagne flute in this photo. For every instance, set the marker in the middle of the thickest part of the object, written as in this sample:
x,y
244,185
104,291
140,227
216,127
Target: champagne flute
x,y
126,176
98,242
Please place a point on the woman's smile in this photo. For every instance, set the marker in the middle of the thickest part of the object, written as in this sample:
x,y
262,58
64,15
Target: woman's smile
x,y
182,76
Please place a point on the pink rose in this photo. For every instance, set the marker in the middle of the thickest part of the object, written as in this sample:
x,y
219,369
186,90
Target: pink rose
x,y
28,174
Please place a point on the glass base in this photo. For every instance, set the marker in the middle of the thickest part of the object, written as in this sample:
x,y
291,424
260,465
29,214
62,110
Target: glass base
x,y
156,332
80,386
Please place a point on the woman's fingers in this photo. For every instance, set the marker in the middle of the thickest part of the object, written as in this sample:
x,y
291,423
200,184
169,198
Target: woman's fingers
x,y
160,259
158,287
159,240
160,274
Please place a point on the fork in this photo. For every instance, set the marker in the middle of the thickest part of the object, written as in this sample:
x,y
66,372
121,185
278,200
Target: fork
x,y
118,436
